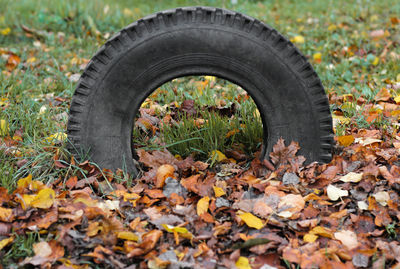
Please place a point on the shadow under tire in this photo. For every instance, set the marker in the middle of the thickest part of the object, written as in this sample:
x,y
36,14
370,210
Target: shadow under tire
x,y
197,41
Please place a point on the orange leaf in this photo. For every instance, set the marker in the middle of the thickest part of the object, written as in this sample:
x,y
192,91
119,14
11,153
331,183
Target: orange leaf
x,y
346,140
71,182
164,171
12,62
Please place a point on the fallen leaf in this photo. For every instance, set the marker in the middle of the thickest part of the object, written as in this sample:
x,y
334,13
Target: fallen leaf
x,y
202,205
42,249
44,199
348,238
334,193
5,242
218,191
352,177
346,140
57,137
4,127
218,156
6,214
243,263
164,171
12,62
382,197
317,57
128,236
310,238
251,220
298,39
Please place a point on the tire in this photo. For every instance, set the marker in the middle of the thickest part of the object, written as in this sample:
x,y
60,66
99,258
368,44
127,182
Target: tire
x,y
197,41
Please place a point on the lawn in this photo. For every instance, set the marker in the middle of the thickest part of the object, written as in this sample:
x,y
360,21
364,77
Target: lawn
x,y
207,200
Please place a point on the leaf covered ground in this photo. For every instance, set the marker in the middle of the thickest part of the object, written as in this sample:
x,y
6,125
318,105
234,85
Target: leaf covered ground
x,y
194,211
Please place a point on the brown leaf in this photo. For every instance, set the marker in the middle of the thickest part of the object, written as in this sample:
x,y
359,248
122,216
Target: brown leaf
x,y
281,154
191,183
71,182
12,62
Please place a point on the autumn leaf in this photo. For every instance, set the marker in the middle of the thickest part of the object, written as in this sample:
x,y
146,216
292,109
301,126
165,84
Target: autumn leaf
x,y
345,140
202,205
128,236
12,62
24,182
352,177
5,242
310,238
6,214
243,263
5,31
218,156
57,137
251,220
218,191
44,199
4,127
317,57
334,193
297,39
348,238
164,171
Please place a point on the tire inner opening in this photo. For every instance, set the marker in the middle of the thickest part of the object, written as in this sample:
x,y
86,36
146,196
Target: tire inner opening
x,y
208,118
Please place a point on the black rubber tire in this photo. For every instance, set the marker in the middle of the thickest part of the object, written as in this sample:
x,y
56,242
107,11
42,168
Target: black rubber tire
x,y
197,41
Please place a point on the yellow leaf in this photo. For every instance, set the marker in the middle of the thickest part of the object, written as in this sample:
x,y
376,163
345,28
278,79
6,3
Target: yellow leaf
x,y
243,263
298,39
317,57
218,156
332,27
322,231
310,238
24,182
6,214
376,61
4,128
182,231
5,31
128,236
352,177
202,205
346,140
397,99
251,220
27,200
210,78
5,242
57,137
31,60
44,199
340,120
218,191
398,77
